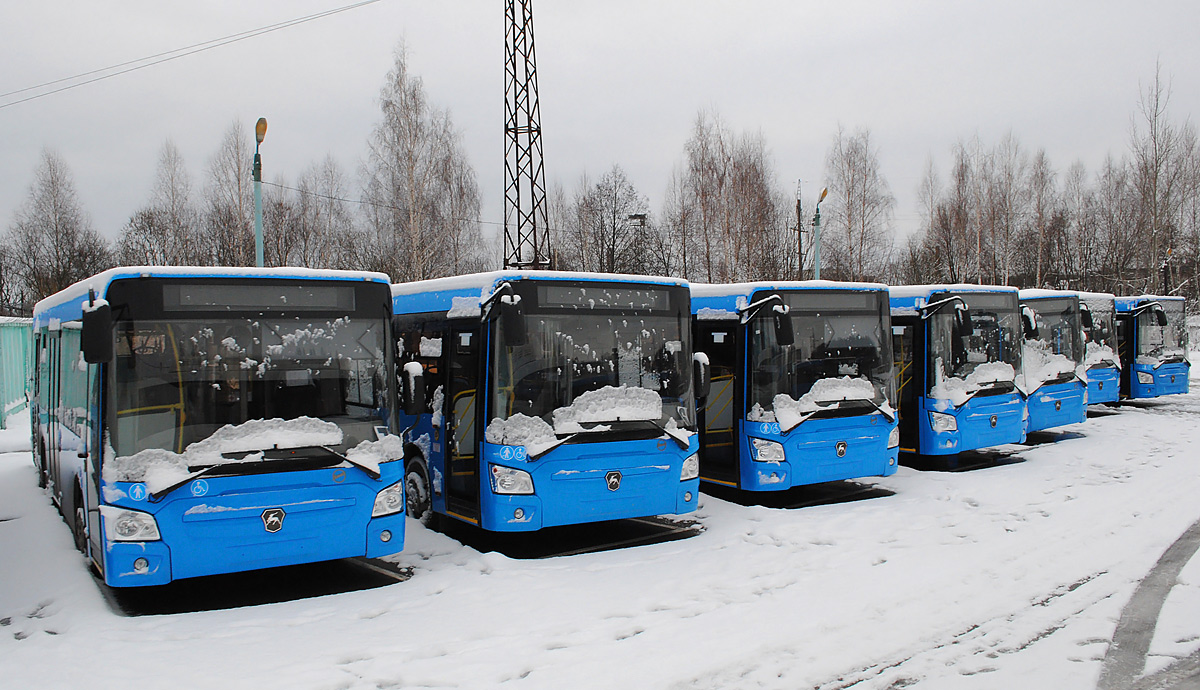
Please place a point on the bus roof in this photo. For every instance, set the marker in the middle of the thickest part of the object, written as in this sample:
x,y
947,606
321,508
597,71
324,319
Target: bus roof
x,y
713,301
1039,293
905,298
1131,303
463,295
1095,296
100,282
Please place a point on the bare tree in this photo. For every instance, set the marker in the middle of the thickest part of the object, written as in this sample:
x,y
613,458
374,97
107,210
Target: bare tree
x,y
51,240
423,200
227,230
859,227
608,226
166,231
727,208
1161,151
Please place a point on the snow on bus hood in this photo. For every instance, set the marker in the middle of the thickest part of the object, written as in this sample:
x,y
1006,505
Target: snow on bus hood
x,y
789,412
958,390
159,468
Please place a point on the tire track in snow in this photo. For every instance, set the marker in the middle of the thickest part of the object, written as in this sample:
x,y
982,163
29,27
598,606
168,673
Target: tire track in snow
x,y
1126,656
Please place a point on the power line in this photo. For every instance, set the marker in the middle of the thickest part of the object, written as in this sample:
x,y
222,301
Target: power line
x,y
376,204
151,60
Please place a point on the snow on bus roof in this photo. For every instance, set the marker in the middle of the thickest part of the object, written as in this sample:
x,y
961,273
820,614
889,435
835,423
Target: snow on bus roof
x,y
1084,294
746,289
489,279
926,290
464,295
1041,293
1130,302
100,282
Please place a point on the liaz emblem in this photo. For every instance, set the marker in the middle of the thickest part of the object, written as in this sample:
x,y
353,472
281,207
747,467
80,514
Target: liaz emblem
x,y
613,479
841,449
273,519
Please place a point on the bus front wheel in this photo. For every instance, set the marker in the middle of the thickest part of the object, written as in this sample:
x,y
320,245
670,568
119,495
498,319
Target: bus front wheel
x,y
418,500
79,526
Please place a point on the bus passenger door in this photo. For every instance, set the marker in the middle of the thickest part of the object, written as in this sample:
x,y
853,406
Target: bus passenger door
x,y
721,409
908,384
462,388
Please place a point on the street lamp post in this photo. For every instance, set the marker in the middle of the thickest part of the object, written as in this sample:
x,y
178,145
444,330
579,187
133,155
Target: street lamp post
x,y
260,133
817,235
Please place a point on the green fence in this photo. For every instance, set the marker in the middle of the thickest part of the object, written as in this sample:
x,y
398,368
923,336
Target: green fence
x,y
16,361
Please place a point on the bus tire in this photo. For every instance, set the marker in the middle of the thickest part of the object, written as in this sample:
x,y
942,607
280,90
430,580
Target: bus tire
x,y
79,524
417,497
40,461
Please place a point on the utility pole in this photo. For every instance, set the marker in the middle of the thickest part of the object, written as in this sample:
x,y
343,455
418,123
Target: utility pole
x,y
799,235
526,231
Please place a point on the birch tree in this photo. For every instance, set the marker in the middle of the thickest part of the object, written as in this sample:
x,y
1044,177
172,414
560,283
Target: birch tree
x,y
859,231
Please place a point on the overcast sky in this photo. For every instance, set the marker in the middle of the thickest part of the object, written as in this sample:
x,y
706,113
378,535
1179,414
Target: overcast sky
x,y
620,82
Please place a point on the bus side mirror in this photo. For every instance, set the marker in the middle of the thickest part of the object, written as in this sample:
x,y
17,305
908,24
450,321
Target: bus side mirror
x,y
1085,317
784,335
512,320
1160,316
701,375
961,319
96,337
1029,322
413,384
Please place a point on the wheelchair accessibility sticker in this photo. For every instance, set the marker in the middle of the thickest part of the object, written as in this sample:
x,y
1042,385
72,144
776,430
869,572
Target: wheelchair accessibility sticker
x,y
513,453
199,487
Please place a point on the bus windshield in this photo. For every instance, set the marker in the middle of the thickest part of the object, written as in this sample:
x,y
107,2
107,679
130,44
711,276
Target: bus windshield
x,y
594,359
1101,337
1058,328
1160,344
840,352
983,356
174,382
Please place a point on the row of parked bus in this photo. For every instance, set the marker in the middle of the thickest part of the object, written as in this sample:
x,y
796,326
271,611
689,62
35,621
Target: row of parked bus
x,y
195,421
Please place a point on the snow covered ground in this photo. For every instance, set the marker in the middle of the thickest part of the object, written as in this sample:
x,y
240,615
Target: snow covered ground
x,y
1008,577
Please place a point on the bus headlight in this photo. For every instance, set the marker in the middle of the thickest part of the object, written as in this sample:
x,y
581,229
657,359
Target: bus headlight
x,y
894,437
1145,377
691,467
129,525
389,501
506,480
942,422
767,451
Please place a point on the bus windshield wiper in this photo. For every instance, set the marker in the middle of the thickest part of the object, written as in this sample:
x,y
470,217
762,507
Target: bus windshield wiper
x,y
157,495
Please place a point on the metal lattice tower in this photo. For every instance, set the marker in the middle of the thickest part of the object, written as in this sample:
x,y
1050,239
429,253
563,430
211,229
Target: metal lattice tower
x,y
526,235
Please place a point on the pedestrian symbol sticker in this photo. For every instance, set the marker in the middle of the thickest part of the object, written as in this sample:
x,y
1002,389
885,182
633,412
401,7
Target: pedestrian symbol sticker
x,y
506,452
138,492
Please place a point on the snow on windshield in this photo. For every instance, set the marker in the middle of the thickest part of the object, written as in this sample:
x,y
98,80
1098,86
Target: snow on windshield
x,y
959,390
607,404
789,412
1040,364
160,468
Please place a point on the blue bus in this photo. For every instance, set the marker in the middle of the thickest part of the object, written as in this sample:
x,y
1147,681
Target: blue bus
x,y
958,354
1153,343
196,421
801,383
1055,389
1101,364
547,398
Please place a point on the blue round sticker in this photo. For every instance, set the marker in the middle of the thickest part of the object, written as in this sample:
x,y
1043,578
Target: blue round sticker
x,y
506,452
138,492
766,427
520,453
199,487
